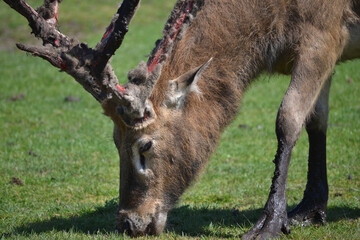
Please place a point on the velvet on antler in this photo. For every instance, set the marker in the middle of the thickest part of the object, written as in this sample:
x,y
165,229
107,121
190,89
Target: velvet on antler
x,y
90,66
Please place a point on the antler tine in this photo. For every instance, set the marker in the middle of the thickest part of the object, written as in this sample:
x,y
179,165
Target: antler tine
x,y
181,16
39,25
114,35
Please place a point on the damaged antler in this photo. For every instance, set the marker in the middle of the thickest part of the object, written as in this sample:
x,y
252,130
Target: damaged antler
x,y
91,68
180,18
40,27
50,11
146,75
88,66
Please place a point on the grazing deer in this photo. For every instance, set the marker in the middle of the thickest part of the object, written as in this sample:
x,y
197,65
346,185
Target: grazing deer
x,y
169,116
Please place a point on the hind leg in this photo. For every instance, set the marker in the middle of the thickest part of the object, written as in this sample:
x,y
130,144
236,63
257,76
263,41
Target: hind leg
x,y
313,205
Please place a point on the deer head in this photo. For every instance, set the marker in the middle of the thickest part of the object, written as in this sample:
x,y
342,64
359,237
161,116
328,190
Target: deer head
x,y
155,162
156,166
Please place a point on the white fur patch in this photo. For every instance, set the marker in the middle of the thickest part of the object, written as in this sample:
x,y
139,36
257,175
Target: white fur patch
x,y
140,169
161,221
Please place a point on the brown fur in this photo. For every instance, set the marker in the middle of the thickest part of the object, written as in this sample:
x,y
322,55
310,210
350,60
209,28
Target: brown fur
x,y
244,38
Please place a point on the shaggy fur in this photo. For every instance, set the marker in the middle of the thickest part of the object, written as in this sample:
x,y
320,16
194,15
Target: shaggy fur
x,y
244,38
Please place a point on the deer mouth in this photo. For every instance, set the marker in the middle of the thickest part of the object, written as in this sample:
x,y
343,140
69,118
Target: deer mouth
x,y
143,122
148,117
139,121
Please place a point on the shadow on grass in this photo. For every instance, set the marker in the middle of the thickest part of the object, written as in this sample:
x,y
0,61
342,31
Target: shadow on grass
x,y
204,221
191,221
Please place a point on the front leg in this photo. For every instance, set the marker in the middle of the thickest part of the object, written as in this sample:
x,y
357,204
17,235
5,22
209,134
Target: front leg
x,y
290,120
273,221
312,68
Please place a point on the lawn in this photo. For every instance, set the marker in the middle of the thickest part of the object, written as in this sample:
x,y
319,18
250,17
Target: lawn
x,y
59,169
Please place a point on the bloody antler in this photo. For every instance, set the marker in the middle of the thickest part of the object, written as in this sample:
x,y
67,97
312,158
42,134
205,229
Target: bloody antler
x,y
145,76
181,16
88,66
91,68
114,34
39,26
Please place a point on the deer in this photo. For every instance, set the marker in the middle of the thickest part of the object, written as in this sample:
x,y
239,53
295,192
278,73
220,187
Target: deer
x,y
170,114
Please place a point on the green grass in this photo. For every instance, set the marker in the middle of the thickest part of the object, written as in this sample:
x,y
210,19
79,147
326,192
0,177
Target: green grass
x,y
63,151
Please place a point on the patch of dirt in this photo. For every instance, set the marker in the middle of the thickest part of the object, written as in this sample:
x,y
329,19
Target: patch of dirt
x,y
31,153
16,97
17,181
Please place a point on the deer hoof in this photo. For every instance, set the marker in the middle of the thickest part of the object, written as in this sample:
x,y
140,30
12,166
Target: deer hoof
x,y
268,226
306,213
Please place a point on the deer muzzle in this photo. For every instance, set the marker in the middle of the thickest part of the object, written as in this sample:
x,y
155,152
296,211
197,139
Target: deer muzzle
x,y
134,224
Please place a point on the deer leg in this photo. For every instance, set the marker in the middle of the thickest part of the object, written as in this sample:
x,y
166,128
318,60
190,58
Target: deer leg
x,y
313,205
290,119
312,68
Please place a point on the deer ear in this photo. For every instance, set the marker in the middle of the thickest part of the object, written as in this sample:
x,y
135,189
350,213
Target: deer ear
x,y
181,87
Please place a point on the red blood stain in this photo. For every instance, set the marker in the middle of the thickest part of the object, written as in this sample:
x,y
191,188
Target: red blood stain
x,y
120,89
177,26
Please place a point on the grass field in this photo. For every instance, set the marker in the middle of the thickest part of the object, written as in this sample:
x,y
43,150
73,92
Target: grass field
x,y
59,170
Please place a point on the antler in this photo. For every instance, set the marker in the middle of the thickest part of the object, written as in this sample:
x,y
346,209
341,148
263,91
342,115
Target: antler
x,y
88,66
91,68
147,74
179,20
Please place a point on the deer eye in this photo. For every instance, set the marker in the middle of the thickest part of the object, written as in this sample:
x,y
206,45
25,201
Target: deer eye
x,y
146,147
